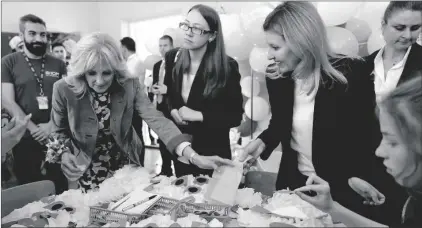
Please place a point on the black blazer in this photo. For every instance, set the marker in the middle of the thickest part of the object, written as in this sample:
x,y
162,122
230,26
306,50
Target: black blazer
x,y
381,179
163,106
341,140
390,211
222,112
413,63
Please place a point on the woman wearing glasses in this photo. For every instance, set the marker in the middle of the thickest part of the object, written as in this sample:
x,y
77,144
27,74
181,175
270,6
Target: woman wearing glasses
x,y
205,97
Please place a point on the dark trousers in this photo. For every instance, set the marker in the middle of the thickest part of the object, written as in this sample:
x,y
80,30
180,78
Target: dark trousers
x,y
137,125
167,158
28,155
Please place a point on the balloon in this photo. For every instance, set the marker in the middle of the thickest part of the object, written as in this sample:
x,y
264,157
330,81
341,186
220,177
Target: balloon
x,y
363,49
372,13
152,45
359,28
375,41
258,59
252,17
257,108
237,44
69,45
247,127
263,124
151,60
342,41
337,13
249,85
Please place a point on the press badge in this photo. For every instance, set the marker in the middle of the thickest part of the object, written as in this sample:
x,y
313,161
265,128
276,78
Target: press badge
x,y
42,102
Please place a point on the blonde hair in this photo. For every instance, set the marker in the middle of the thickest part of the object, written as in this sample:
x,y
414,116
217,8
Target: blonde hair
x,y
404,106
90,51
304,31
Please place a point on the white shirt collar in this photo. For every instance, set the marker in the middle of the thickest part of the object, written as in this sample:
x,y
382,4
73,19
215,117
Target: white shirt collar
x,y
378,58
385,82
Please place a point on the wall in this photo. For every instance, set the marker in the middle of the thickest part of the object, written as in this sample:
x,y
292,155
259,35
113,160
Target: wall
x,y
113,13
60,16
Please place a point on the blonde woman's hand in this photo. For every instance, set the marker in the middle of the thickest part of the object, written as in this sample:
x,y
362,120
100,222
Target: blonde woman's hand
x,y
371,195
254,149
273,71
316,192
70,167
210,162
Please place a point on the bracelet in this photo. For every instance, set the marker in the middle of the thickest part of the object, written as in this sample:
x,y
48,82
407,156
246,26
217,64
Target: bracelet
x,y
191,157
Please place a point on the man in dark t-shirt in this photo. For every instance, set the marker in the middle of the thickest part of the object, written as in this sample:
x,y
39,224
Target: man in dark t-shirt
x,y
27,84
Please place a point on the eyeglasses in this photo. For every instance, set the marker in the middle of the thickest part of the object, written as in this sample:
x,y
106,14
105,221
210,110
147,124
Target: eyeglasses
x,y
185,27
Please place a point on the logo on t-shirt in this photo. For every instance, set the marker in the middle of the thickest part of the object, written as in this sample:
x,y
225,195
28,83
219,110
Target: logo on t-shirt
x,y
52,74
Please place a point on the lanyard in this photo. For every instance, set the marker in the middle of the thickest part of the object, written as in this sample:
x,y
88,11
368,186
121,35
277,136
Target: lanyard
x,y
39,79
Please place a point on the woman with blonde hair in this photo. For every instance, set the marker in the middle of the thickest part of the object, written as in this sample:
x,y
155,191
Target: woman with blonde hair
x,y
320,102
94,107
401,151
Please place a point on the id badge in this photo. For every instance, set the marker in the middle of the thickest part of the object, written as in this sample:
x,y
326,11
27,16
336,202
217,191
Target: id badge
x,y
42,102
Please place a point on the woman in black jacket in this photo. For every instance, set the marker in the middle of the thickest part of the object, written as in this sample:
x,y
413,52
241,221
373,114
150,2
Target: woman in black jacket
x,y
321,104
389,67
401,152
205,97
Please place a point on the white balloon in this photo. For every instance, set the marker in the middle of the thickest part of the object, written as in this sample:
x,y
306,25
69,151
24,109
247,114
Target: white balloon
x,y
372,13
252,18
69,45
342,41
237,44
151,60
359,28
375,41
260,109
250,87
152,45
337,13
258,59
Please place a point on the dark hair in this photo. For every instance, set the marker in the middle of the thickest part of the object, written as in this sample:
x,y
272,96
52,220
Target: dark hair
x,y
29,18
216,65
167,37
129,43
394,6
54,45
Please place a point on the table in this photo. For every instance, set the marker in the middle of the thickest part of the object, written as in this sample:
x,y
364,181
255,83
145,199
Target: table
x,y
129,177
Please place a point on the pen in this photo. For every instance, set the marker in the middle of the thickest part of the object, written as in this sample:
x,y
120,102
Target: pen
x,y
116,206
139,203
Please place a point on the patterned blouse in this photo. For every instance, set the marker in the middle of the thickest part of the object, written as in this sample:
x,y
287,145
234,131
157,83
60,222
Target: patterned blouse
x,y
107,156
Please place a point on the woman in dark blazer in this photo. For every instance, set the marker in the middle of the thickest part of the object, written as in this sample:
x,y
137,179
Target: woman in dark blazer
x,y
388,68
205,97
321,106
93,107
